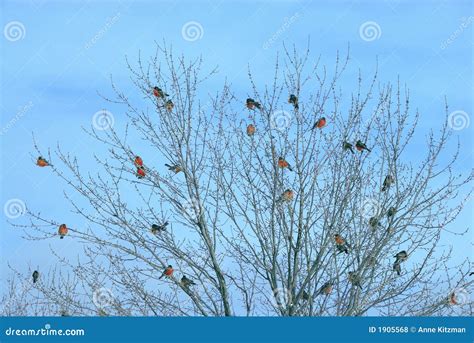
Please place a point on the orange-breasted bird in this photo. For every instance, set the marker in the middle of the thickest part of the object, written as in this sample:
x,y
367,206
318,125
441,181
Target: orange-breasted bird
x,y
389,180
138,161
167,272
320,123
186,282
62,231
341,244
251,129
176,168
360,146
282,163
35,275
347,146
169,105
141,172
41,162
452,299
287,195
354,279
158,92
155,228
252,104
293,99
326,288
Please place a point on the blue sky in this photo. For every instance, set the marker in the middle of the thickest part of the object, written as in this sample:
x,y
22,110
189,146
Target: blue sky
x,y
67,51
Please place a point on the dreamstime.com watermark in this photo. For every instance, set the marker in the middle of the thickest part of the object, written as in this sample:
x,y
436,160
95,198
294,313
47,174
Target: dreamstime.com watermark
x,y
46,331
287,22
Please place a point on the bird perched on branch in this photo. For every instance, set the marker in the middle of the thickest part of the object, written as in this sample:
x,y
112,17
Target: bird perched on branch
x,y
167,272
35,275
354,279
138,161
360,146
320,123
158,92
326,288
62,231
391,212
399,258
293,99
389,180
341,244
186,282
41,162
251,129
282,163
176,168
286,196
141,172
155,228
347,146
169,105
374,222
252,104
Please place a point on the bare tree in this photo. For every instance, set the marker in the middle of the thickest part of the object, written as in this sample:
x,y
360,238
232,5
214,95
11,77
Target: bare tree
x,y
305,205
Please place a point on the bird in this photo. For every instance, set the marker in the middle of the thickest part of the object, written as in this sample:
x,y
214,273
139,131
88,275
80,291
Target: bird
x,y
138,161
452,299
251,129
282,163
387,182
305,295
360,146
320,123
158,92
169,105
326,288
374,222
347,146
176,168
62,231
471,273
64,313
293,99
252,104
287,195
155,228
141,172
167,272
41,162
354,279
35,275
186,282
341,244
391,212
399,258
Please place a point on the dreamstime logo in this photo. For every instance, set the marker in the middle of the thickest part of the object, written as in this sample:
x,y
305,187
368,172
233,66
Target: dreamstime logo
x,y
465,23
102,297
370,31
103,120
21,112
459,296
280,120
287,22
192,31
14,208
14,31
370,208
282,297
458,120
99,34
